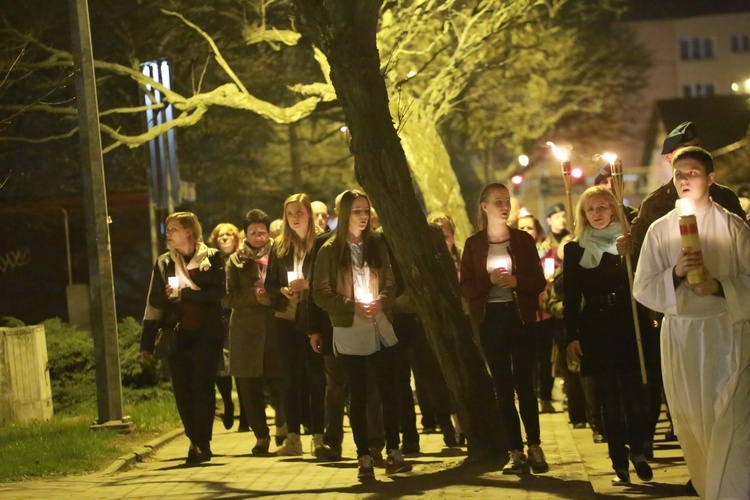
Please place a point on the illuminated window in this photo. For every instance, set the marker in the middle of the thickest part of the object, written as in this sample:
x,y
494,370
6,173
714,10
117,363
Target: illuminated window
x,y
740,43
695,48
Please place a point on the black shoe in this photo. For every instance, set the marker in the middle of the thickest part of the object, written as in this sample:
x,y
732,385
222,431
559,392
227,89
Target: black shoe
x,y
228,417
243,428
198,455
648,450
461,439
429,430
642,468
450,439
261,446
598,438
410,448
579,425
670,435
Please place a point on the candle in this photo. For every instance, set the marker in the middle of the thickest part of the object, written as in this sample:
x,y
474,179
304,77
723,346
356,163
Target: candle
x,y
291,276
549,267
497,263
175,284
363,295
689,236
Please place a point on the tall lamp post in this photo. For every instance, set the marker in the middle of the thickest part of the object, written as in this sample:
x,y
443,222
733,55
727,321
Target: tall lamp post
x,y
102,293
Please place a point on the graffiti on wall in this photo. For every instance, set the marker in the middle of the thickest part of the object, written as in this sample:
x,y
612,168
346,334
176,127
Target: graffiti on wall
x,y
13,259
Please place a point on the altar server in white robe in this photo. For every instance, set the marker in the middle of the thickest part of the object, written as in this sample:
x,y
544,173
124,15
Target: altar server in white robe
x,y
705,336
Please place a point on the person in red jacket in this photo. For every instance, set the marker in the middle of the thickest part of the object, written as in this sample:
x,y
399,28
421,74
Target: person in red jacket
x,y
502,277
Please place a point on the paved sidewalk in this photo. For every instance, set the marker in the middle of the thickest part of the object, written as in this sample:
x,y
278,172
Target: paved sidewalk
x,y
579,469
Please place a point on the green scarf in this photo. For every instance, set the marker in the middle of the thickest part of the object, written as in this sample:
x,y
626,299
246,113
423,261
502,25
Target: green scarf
x,y
597,241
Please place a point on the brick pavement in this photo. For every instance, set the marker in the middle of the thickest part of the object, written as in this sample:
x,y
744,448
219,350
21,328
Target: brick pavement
x,y
579,469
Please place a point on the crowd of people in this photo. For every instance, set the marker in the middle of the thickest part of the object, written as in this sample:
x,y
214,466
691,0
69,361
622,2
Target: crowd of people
x,y
318,315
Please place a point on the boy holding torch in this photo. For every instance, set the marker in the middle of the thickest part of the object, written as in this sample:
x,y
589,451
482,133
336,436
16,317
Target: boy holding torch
x,y
705,334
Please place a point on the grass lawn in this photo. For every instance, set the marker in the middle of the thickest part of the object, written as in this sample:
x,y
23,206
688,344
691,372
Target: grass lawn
x,y
65,445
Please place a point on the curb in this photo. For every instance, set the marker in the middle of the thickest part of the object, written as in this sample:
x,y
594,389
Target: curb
x,y
140,454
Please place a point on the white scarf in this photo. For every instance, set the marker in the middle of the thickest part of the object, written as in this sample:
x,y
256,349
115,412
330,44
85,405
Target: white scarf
x,y
182,270
597,241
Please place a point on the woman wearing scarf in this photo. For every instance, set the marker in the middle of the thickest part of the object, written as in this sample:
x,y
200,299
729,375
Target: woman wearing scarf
x,y
253,358
599,328
501,277
194,307
288,284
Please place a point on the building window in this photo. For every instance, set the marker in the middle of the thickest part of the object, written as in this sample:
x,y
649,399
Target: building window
x,y
740,43
695,48
698,90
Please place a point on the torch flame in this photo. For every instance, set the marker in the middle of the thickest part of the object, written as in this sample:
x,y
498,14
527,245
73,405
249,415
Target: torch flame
x,y
610,157
561,154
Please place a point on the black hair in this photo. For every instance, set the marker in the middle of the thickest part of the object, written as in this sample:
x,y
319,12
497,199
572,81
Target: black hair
x,y
256,216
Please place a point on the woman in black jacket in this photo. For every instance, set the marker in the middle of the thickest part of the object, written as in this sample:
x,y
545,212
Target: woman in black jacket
x,y
187,286
288,285
599,328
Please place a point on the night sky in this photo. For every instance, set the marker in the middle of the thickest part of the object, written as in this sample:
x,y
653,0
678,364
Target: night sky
x,y
657,9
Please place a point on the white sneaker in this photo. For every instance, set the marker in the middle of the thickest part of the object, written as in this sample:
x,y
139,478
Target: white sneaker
x,y
366,468
395,463
292,446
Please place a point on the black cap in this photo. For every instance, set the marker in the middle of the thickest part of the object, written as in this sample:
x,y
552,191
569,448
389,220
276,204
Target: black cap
x,y
684,133
604,173
555,209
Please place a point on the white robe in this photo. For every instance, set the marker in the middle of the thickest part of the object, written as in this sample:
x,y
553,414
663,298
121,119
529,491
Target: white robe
x,y
705,348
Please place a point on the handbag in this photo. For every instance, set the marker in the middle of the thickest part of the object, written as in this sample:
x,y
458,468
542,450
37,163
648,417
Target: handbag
x,y
166,342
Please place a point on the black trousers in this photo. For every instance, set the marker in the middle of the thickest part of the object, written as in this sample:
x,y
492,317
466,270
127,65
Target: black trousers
x,y
509,350
253,399
337,390
381,364
544,333
298,360
193,369
622,414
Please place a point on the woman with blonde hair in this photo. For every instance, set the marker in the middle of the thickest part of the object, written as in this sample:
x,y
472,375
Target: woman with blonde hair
x,y
501,277
193,307
288,286
599,328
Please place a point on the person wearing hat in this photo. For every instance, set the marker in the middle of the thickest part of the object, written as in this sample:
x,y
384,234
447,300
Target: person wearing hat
x,y
604,178
654,206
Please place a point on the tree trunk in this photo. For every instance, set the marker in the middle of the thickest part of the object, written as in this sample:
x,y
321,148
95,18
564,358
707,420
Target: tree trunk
x,y
345,31
431,166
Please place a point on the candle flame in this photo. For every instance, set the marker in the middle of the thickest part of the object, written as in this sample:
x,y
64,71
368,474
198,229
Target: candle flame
x,y
685,206
559,153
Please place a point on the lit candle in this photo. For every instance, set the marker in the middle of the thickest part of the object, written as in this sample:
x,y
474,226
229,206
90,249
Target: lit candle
x,y
497,263
549,267
291,276
689,236
175,284
363,295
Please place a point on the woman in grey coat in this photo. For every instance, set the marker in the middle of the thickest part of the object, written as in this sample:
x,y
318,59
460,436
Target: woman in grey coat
x,y
253,359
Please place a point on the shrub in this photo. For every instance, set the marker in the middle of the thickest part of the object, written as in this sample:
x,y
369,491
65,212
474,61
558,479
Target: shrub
x,y
72,371
134,371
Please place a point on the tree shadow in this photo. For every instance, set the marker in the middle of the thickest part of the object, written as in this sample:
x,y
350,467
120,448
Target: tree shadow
x,y
422,481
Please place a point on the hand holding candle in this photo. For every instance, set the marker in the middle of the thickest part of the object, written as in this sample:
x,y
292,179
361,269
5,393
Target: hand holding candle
x,y
174,283
691,240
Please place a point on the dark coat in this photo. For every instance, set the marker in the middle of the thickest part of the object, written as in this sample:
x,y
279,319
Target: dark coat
x,y
212,288
527,268
252,341
318,319
277,278
597,312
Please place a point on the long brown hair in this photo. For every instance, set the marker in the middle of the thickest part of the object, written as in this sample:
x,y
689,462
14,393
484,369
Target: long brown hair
x,y
369,252
582,222
289,237
481,214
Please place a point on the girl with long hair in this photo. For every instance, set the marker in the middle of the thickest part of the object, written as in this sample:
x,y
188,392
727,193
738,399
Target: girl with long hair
x,y
354,284
288,285
501,277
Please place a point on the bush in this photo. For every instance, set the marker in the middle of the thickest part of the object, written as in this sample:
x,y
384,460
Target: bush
x,y
72,365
